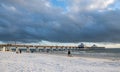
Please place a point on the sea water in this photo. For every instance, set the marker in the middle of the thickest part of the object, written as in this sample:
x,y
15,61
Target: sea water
x,y
111,53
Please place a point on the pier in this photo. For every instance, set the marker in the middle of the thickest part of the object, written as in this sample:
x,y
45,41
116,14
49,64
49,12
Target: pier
x,y
46,48
8,47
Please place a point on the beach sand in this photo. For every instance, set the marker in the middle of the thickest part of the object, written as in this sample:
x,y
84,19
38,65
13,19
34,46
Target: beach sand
x,y
36,62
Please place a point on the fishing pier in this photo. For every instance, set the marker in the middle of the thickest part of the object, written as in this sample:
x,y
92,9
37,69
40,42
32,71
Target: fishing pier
x,y
17,47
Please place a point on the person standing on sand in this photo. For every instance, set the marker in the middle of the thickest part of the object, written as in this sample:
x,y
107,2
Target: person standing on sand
x,y
20,51
69,53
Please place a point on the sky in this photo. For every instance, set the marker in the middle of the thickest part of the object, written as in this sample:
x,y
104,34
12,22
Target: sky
x,y
65,21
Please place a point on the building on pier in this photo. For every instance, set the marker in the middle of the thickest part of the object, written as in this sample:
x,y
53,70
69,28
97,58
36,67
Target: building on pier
x,y
81,45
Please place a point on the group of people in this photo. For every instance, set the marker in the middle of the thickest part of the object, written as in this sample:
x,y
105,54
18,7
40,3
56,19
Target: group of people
x,y
20,51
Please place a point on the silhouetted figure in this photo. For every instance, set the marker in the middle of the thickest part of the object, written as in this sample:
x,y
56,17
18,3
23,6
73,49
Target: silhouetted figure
x,y
69,53
20,51
32,51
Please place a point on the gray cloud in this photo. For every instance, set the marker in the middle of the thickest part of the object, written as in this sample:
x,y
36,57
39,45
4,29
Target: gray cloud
x,y
29,20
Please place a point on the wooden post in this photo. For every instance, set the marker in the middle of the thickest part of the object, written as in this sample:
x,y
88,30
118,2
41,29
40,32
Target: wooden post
x,y
37,49
44,49
51,49
28,50
4,49
17,50
9,48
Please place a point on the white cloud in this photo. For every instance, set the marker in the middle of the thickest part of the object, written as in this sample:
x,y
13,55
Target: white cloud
x,y
89,5
38,20
10,8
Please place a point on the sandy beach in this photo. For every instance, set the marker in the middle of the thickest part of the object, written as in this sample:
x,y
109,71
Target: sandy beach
x,y
31,62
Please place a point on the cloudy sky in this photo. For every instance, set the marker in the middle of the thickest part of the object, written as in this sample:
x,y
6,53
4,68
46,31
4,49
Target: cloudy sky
x,y
60,20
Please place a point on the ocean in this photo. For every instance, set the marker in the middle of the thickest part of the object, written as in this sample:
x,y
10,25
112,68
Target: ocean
x,y
106,50
109,53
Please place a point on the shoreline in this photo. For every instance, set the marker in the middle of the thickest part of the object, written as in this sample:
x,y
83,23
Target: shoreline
x,y
83,55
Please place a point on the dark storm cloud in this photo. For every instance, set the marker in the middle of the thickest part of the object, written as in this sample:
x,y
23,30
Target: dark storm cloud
x,y
30,20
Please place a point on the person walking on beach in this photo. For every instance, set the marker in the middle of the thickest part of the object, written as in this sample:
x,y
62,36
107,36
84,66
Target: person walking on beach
x,y
69,53
20,51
